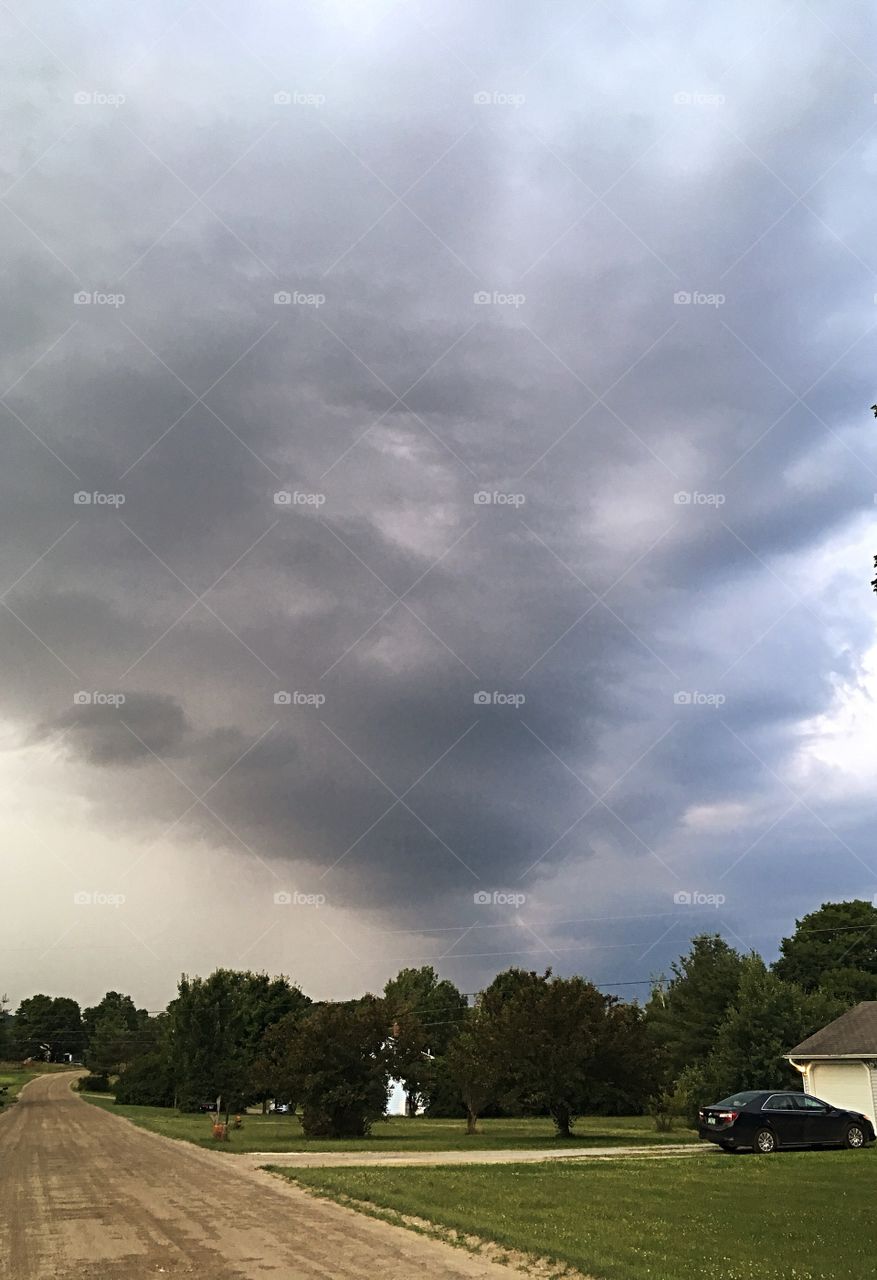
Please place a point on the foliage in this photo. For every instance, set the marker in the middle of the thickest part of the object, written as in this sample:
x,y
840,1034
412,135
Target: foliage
x,y
839,939
425,1013
337,1068
93,1084
47,1028
683,1019
148,1081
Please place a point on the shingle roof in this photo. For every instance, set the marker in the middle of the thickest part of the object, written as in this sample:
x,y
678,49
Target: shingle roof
x,y
853,1032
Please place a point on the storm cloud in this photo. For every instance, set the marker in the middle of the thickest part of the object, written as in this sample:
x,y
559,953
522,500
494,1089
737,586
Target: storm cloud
x,y
437,444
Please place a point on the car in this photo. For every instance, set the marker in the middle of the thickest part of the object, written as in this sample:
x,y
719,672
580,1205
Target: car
x,y
764,1120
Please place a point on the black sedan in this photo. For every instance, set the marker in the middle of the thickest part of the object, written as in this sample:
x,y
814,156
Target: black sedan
x,y
762,1121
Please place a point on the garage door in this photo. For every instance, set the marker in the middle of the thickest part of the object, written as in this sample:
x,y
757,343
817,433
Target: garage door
x,y
846,1084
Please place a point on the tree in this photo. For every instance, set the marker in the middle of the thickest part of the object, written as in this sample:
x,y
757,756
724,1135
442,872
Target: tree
x,y
147,1082
767,1019
552,1033
475,1065
424,1012
48,1027
216,1029
683,1018
337,1068
838,939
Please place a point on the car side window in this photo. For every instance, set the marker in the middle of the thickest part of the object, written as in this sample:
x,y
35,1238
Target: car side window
x,y
812,1104
780,1102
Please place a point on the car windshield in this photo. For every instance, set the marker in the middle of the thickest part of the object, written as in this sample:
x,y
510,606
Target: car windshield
x,y
739,1099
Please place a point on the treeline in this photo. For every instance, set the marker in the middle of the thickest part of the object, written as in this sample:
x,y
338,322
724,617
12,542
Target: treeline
x,y
530,1043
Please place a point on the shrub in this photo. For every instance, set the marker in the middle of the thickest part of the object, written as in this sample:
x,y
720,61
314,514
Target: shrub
x,y
147,1082
94,1084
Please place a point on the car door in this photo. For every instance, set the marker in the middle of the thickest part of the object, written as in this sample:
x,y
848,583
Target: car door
x,y
823,1123
788,1120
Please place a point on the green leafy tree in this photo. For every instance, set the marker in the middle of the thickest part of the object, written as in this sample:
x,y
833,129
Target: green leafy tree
x,y
336,1067
425,1012
216,1029
767,1019
683,1017
475,1064
48,1027
553,1035
835,946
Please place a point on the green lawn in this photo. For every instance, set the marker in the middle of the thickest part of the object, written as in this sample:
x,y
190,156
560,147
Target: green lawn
x,y
398,1133
792,1216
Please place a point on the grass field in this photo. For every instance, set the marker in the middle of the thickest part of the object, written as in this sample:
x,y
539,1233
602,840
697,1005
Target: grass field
x,y
398,1133
791,1216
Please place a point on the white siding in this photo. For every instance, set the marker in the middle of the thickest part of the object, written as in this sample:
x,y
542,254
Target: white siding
x,y
843,1084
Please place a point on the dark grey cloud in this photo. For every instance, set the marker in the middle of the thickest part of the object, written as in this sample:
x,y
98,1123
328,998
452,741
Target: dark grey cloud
x,y
619,164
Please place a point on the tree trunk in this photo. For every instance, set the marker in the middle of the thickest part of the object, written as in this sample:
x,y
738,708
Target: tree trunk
x,y
562,1120
471,1121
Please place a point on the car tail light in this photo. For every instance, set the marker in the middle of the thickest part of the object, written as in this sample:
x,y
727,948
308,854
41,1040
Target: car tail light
x,y
728,1116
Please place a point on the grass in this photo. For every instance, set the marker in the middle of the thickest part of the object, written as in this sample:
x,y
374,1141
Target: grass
x,y
792,1216
397,1133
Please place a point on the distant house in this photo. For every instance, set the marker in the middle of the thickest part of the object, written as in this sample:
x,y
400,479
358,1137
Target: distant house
x,y
839,1063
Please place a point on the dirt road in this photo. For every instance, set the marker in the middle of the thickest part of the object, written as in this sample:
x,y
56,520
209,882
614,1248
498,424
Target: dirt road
x,y
397,1159
85,1195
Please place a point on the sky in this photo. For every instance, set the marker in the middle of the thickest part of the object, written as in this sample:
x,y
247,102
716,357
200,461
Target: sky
x,y
439,482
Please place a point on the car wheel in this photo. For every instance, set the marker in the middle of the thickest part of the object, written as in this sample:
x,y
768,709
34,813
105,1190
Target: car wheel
x,y
855,1136
765,1142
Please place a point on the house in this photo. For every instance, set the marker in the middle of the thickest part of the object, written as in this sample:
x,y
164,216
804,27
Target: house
x,y
839,1063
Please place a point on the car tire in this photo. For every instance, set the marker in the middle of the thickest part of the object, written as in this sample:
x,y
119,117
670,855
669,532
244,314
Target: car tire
x,y
729,1149
855,1137
765,1142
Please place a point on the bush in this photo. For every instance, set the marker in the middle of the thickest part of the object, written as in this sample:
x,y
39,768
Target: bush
x,y
147,1082
94,1084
